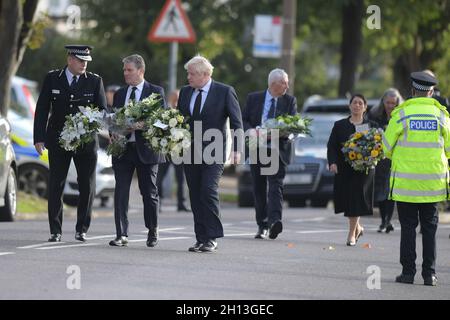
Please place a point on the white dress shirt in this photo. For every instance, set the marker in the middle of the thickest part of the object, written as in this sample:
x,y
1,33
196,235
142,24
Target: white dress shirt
x,y
205,92
137,93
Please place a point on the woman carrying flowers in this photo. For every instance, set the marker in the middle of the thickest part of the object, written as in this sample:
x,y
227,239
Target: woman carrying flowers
x,y
353,190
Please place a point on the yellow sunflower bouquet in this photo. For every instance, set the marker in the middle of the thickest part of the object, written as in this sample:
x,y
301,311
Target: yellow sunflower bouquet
x,y
363,150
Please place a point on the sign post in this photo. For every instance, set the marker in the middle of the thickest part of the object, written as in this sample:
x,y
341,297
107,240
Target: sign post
x,y
172,26
268,36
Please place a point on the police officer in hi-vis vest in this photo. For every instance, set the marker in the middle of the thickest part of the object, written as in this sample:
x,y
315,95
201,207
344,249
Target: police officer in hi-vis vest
x,y
63,92
417,140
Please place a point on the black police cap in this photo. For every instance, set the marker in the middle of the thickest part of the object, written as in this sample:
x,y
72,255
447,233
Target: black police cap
x,y
82,52
423,81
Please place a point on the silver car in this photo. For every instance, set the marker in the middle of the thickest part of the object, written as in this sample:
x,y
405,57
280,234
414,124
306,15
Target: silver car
x,y
8,182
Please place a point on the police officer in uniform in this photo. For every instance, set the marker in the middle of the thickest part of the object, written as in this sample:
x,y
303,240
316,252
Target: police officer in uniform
x,y
63,92
417,140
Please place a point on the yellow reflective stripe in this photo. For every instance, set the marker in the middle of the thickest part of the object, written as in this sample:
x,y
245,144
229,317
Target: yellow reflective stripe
x,y
404,123
420,176
425,145
386,143
443,119
419,193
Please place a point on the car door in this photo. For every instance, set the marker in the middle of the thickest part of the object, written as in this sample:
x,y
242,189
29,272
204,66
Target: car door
x,y
4,158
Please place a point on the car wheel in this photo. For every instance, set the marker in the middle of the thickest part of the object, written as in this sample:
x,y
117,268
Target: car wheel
x,y
71,200
319,203
245,200
8,212
297,203
33,179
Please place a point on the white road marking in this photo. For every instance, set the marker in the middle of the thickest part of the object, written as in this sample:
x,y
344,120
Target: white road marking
x,y
309,219
239,234
321,231
161,239
6,253
70,246
45,244
167,229
101,237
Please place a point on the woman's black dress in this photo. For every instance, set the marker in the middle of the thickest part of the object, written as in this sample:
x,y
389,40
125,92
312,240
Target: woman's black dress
x,y
353,190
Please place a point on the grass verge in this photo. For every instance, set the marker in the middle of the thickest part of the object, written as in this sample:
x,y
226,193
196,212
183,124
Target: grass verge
x,y
27,203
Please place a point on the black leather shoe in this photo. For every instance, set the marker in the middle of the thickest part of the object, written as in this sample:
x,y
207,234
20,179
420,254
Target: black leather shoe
x,y
430,281
195,247
381,228
262,233
404,278
80,236
152,239
209,246
183,208
119,242
389,228
275,229
56,237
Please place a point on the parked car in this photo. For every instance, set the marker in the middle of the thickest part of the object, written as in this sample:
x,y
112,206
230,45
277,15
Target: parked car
x,y
318,104
307,177
8,181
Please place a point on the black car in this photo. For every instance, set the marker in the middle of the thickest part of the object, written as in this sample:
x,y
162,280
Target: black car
x,y
318,104
8,181
307,177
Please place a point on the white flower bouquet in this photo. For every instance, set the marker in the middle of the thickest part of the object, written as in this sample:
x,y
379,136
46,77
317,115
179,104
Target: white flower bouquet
x,y
126,117
79,128
168,132
288,126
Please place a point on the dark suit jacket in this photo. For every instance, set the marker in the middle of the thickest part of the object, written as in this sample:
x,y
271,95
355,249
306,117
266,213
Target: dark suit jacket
x,y
220,104
58,100
252,114
146,155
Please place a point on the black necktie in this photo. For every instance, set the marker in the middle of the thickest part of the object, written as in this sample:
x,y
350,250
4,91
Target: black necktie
x,y
74,82
271,113
197,105
133,94
132,98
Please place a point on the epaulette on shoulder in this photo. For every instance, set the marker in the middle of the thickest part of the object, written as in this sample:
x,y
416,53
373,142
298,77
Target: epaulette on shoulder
x,y
55,71
93,74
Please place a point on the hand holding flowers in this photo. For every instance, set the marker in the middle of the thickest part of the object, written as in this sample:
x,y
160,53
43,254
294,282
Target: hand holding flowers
x,y
79,128
363,150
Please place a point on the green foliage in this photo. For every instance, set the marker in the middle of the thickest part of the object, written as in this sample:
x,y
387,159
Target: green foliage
x,y
413,30
37,36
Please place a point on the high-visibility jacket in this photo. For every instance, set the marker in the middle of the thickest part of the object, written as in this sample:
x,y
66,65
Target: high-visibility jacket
x,y
417,140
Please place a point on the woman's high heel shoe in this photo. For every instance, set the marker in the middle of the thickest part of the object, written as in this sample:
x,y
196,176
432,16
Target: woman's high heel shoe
x,y
360,234
351,243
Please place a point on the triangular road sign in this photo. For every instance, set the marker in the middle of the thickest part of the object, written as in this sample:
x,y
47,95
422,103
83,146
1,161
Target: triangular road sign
x,y
172,25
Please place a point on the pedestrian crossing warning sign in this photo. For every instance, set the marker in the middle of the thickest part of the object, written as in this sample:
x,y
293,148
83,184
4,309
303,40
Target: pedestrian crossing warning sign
x,y
172,25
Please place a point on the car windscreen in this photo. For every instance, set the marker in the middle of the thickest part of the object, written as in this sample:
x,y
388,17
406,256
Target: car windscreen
x,y
320,131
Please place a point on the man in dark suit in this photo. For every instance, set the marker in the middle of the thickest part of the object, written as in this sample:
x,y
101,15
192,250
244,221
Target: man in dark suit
x,y
260,107
208,104
63,91
137,157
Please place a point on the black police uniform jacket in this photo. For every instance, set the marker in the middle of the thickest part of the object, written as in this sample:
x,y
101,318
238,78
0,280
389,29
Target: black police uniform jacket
x,y
57,100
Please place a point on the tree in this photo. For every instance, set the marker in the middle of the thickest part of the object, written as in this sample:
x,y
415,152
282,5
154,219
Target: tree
x,y
16,19
352,38
414,39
